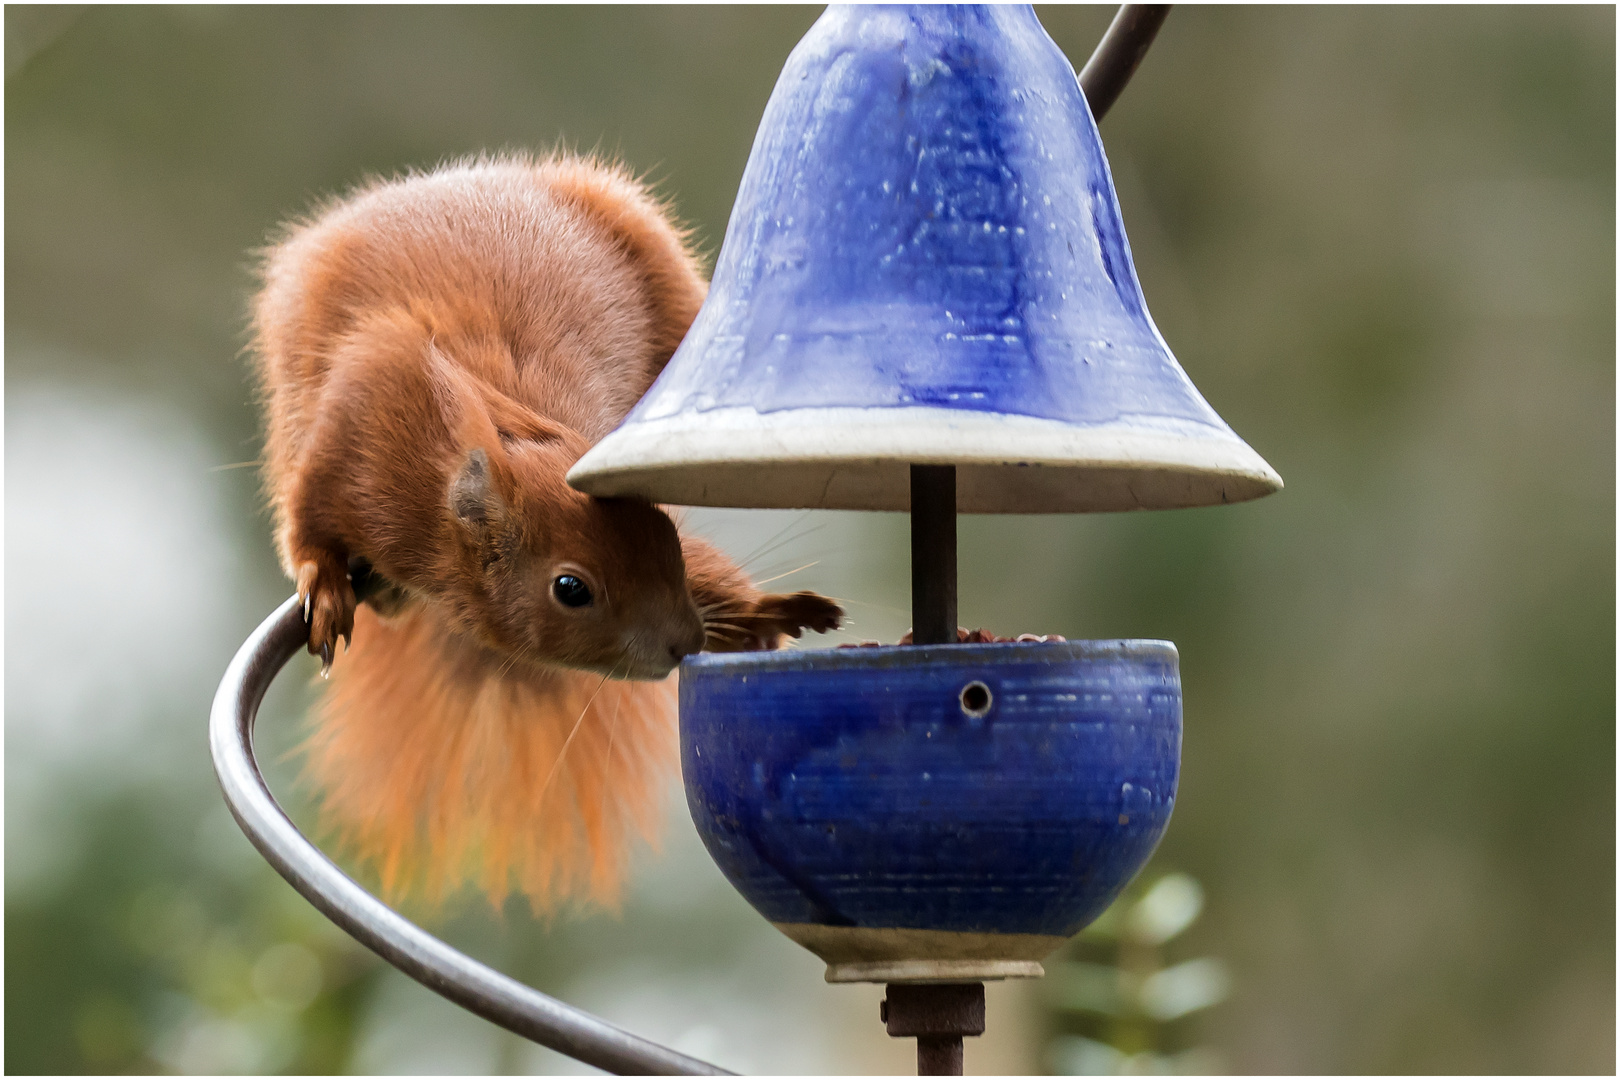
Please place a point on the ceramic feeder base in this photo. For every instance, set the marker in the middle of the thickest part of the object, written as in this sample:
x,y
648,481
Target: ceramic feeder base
x,y
900,955
935,971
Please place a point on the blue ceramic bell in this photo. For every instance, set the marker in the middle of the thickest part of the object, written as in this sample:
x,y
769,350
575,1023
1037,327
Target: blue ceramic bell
x,y
926,265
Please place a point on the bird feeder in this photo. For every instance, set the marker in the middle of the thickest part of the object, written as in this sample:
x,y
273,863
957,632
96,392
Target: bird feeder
x,y
925,301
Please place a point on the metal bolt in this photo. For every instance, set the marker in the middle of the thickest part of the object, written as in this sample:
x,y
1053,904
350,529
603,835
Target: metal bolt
x,y
937,1015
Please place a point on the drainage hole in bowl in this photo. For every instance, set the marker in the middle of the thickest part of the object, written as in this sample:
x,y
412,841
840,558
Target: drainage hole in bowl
x,y
975,698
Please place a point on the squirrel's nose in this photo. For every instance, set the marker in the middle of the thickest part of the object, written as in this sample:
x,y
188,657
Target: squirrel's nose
x,y
685,648
689,643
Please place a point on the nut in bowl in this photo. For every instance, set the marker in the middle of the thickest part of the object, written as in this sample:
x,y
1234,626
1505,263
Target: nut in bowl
x,y
933,813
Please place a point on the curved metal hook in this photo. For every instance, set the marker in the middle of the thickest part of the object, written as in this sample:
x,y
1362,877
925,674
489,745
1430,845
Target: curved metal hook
x,y
1118,53
474,986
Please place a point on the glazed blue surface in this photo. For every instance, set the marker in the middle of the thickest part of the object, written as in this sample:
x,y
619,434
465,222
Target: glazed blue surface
x,y
850,787
927,218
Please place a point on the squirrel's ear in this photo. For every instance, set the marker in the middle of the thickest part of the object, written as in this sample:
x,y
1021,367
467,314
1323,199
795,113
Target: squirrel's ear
x,y
473,497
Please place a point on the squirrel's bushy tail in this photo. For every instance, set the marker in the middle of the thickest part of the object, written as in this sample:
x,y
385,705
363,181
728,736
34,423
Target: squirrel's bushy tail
x,y
438,769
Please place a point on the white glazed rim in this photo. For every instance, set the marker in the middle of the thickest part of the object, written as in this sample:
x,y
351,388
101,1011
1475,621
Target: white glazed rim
x,y
858,459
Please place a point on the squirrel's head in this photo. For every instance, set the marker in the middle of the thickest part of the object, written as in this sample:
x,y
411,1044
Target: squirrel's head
x,y
555,576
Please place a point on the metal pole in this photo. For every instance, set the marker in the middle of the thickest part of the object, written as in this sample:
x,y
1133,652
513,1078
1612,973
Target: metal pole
x,y
933,554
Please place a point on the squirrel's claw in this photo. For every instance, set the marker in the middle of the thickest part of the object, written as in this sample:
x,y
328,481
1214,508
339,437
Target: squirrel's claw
x,y
328,607
761,626
793,614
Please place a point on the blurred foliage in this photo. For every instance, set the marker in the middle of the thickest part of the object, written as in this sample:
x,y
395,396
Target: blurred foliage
x,y
1380,240
1118,1006
162,967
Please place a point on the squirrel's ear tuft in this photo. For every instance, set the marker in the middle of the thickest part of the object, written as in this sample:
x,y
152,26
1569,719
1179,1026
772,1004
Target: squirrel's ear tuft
x,y
473,498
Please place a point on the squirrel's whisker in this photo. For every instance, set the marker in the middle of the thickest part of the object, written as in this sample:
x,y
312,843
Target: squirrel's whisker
x,y
506,665
613,730
869,604
752,560
769,545
556,765
790,573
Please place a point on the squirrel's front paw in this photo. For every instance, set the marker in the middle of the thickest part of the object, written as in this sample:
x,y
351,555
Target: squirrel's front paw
x,y
327,601
793,614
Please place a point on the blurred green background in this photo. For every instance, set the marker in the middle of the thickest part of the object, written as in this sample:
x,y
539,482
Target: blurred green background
x,y
1380,240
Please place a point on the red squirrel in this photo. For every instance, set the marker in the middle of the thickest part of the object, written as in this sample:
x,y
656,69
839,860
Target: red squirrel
x,y
434,353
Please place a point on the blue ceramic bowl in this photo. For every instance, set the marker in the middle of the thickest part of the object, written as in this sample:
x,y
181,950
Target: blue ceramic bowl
x,y
933,812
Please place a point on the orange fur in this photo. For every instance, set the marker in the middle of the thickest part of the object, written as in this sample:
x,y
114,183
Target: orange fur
x,y
434,353
443,772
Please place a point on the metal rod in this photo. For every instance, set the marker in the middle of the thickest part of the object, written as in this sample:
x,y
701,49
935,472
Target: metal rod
x,y
939,1056
933,554
480,989
1118,53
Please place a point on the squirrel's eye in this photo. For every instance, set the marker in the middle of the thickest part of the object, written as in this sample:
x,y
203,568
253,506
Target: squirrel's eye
x,y
570,591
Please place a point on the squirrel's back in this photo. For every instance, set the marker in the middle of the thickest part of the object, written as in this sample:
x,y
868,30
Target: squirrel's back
x,y
561,282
